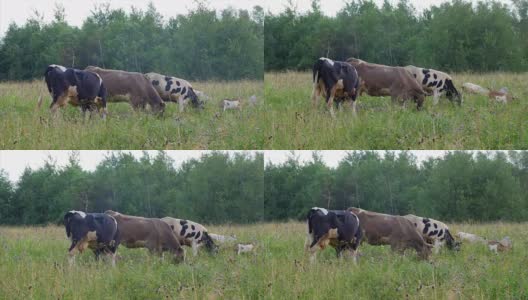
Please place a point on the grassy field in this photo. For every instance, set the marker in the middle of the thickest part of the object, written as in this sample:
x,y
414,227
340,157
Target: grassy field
x,y
33,264
292,123
24,127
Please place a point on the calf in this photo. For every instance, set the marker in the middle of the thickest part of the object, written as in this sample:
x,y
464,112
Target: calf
x,y
434,232
244,248
396,231
339,228
380,80
231,104
77,87
96,231
470,237
150,233
334,79
191,234
174,89
503,245
129,86
501,96
435,82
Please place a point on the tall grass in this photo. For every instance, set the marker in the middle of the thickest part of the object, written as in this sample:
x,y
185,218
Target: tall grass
x,y
22,126
479,123
33,264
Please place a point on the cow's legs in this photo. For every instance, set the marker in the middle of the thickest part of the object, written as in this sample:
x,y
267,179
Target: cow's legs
x,y
330,94
194,247
71,253
437,245
436,95
181,103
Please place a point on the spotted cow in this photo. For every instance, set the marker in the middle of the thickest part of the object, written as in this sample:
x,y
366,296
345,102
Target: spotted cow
x,y
435,82
174,89
191,234
96,231
339,228
334,80
77,87
434,232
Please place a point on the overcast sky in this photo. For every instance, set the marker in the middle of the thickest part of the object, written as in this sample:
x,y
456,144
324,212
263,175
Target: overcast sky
x,y
15,161
19,11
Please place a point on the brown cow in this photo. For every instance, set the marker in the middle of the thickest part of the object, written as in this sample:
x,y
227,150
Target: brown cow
x,y
134,87
396,231
380,80
150,233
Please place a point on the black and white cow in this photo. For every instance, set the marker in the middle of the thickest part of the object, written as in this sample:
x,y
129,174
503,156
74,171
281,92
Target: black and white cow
x,y
174,89
338,228
335,80
96,231
78,87
191,234
435,82
434,232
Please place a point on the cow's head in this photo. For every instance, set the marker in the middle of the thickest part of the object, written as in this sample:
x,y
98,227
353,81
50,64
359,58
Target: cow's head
x,y
209,243
196,102
75,225
451,243
58,86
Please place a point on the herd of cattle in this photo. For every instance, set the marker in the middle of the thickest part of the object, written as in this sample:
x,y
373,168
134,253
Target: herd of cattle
x,y
345,81
345,230
104,232
90,89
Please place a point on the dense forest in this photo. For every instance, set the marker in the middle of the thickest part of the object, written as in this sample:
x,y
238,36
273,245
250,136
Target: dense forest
x,y
204,44
453,36
217,188
461,186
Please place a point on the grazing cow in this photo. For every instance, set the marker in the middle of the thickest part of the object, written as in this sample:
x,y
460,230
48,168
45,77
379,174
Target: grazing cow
x,y
470,237
339,228
174,89
79,88
396,231
380,80
244,248
434,232
129,86
150,233
334,79
191,234
222,238
231,104
435,82
96,231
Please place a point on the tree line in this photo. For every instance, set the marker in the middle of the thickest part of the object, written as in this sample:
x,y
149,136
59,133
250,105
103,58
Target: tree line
x,y
204,44
216,188
453,36
460,186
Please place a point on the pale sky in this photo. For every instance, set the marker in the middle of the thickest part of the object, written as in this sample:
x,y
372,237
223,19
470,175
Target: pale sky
x,y
76,11
13,162
19,11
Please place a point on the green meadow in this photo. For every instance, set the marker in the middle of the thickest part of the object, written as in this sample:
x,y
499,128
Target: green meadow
x,y
25,126
34,265
293,123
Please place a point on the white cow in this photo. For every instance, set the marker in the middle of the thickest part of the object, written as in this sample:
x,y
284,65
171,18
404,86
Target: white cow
x,y
434,232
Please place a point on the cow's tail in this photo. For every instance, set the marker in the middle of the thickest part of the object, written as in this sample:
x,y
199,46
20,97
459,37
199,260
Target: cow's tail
x,y
39,102
450,241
